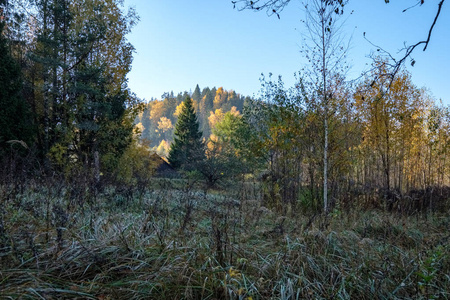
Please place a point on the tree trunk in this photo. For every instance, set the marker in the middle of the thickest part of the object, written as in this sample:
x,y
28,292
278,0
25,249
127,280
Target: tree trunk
x,y
325,123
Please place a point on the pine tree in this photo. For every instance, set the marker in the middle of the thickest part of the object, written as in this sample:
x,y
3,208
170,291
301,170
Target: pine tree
x,y
187,149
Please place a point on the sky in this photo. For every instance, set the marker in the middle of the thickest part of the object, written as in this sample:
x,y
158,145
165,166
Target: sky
x,y
180,44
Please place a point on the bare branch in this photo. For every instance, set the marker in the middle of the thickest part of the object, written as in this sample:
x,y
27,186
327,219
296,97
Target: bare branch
x,y
275,7
270,6
397,64
434,23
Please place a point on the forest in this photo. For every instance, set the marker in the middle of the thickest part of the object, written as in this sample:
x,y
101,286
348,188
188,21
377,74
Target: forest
x,y
156,122
328,189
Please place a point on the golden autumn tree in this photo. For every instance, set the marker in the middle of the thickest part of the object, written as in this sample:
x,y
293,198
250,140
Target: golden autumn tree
x,y
392,116
220,98
165,128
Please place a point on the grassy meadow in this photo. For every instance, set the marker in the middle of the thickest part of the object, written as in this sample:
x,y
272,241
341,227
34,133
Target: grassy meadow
x,y
176,240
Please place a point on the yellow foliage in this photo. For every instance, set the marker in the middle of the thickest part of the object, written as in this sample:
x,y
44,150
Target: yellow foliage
x,y
164,124
163,149
138,128
221,97
216,117
178,109
234,111
157,110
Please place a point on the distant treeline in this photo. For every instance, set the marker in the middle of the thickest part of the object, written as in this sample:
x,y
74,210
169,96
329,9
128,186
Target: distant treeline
x,y
157,122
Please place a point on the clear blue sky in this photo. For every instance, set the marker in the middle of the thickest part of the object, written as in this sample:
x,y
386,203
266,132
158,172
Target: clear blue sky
x,y
182,43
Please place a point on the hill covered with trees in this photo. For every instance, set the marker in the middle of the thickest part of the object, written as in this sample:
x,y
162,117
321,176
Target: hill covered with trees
x,y
157,122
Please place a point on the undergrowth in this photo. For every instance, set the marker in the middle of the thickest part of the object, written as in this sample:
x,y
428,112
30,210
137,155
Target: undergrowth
x,y
182,242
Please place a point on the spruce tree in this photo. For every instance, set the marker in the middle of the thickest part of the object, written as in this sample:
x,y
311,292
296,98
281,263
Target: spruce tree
x,y
197,96
187,149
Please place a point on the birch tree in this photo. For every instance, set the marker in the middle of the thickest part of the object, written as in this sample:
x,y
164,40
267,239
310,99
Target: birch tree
x,y
325,50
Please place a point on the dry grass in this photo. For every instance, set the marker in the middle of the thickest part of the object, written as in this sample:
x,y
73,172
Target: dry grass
x,y
181,243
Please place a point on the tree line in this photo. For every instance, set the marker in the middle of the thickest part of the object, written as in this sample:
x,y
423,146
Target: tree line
x,y
387,148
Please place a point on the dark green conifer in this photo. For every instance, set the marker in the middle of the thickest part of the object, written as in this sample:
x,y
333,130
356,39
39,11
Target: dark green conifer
x,y
15,114
197,96
187,149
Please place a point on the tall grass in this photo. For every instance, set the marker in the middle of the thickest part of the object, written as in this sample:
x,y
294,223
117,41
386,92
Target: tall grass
x,y
181,242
